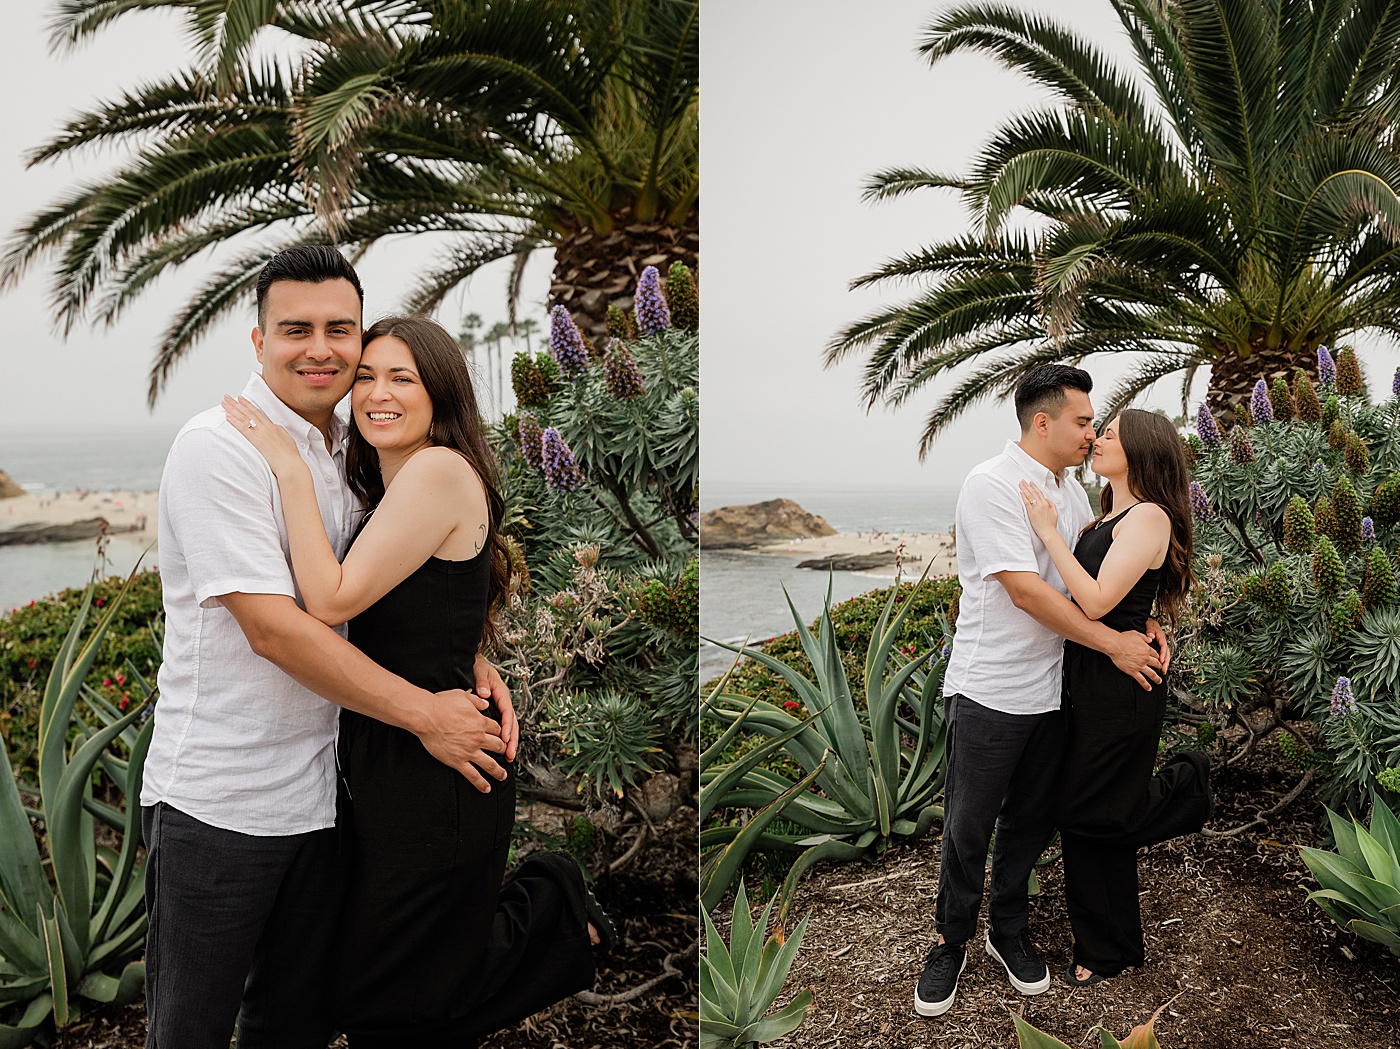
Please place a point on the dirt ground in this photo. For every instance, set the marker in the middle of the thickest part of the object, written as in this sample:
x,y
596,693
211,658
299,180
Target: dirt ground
x,y
1236,951
654,902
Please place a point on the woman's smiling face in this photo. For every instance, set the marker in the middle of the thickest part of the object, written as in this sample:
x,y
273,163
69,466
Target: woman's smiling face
x,y
391,406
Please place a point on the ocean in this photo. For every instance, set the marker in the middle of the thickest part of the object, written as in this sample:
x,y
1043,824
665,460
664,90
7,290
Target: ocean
x,y
100,461
741,593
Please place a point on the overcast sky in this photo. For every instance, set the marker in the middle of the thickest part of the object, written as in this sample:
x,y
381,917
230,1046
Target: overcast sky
x,y
96,380
803,100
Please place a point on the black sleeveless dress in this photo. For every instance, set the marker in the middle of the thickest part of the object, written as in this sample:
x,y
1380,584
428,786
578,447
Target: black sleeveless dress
x,y
430,947
1110,802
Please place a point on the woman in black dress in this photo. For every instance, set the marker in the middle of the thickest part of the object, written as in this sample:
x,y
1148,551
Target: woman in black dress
x,y
433,951
1134,558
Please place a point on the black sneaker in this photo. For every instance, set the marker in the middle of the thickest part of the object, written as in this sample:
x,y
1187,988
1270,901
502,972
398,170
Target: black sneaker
x,y
1027,973
938,986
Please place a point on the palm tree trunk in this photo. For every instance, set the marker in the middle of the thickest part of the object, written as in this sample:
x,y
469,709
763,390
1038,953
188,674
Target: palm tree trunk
x,y
593,271
1232,377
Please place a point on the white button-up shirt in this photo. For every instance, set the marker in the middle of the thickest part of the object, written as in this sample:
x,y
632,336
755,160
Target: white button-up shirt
x,y
1002,658
238,744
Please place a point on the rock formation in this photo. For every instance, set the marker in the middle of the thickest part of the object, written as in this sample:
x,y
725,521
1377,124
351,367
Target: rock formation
x,y
8,488
756,524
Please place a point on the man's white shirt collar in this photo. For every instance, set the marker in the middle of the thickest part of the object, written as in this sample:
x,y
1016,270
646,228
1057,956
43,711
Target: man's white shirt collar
x,y
277,411
1034,467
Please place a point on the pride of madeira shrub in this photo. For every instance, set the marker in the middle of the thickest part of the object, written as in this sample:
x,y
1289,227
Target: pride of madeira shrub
x,y
1296,616
601,463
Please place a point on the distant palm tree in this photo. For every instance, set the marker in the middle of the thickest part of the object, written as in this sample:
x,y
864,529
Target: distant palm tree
x,y
507,127
528,327
498,333
1233,207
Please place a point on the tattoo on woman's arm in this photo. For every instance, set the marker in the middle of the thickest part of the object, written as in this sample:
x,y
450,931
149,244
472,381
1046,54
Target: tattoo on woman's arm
x,y
480,539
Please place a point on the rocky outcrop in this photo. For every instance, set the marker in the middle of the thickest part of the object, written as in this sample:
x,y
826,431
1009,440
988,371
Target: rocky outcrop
x,y
756,524
853,562
25,534
8,488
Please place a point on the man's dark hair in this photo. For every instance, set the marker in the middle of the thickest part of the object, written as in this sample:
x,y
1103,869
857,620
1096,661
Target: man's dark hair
x,y
1042,389
310,264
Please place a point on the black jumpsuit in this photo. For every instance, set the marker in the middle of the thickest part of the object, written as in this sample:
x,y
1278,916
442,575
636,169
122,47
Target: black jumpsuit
x,y
1110,802
432,950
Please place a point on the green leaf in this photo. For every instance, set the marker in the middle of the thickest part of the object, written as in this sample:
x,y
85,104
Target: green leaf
x,y
1029,1037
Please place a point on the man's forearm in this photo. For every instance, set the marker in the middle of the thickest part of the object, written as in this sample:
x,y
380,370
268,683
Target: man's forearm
x,y
323,661
1052,610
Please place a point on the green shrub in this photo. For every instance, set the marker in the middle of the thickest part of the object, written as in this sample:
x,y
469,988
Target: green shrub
x,y
30,639
1297,579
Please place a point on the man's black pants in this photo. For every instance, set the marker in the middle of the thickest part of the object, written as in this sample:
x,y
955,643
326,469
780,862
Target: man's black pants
x,y
240,927
1002,773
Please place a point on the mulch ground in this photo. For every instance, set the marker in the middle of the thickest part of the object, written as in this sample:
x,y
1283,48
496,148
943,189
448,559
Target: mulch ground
x,y
654,901
1236,952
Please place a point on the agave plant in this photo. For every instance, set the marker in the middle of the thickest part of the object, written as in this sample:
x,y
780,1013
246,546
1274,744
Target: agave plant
x,y
1361,880
875,779
79,937
739,983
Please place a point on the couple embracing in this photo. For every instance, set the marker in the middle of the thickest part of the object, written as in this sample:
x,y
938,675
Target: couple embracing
x,y
1054,694
329,796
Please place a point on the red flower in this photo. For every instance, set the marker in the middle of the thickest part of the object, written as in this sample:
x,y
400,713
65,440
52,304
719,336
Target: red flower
x,y
100,602
106,682
125,700
791,704
121,679
31,602
32,664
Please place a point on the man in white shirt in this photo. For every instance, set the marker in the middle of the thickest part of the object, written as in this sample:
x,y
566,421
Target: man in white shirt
x,y
1001,693
239,798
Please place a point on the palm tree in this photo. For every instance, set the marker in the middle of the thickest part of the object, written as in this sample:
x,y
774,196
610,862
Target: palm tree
x,y
528,327
1231,206
498,333
504,127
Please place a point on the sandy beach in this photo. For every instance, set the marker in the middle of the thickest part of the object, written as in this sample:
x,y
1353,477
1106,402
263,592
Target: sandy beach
x,y
124,511
920,548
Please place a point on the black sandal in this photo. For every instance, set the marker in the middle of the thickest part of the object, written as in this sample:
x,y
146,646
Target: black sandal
x,y
1073,979
597,917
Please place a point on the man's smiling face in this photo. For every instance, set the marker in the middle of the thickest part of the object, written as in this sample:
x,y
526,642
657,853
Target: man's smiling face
x,y
309,345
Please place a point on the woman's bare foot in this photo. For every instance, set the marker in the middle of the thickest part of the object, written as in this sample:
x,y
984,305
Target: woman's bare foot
x,y
1080,973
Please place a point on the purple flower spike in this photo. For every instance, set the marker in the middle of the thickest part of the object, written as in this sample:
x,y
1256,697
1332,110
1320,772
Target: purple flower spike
x,y
1241,450
1326,366
1395,384
1368,529
530,437
653,315
565,342
1261,409
620,372
560,470
1343,702
1207,429
1200,503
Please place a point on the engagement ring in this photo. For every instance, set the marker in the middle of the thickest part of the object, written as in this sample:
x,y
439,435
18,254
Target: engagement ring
x,y
252,423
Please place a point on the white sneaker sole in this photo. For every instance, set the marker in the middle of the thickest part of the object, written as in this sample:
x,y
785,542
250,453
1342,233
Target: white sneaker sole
x,y
1038,987
924,1008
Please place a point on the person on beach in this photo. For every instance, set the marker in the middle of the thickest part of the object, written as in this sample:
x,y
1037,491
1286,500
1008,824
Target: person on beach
x,y
1134,556
1006,734
427,955
243,882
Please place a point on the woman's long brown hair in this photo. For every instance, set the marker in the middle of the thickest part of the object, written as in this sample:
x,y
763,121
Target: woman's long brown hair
x,y
1157,473
456,425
